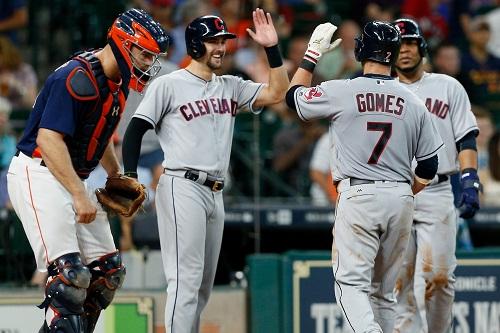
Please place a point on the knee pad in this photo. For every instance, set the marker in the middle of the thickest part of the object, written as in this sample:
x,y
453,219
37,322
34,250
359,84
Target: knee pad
x,y
108,274
68,324
65,292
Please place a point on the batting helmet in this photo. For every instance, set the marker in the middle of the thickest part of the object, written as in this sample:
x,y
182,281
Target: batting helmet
x,y
202,28
137,28
409,29
379,41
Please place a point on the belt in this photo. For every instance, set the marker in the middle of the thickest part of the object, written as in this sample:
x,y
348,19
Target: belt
x,y
213,183
356,181
42,163
442,178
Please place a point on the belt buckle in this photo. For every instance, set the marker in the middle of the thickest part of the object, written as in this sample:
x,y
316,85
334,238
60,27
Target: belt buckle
x,y
216,185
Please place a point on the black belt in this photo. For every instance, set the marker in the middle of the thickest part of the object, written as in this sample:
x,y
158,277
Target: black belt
x,y
357,181
214,184
442,178
42,163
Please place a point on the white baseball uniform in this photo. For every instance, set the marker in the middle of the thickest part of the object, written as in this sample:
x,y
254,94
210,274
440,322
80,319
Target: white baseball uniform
x,y
194,120
54,232
426,283
377,127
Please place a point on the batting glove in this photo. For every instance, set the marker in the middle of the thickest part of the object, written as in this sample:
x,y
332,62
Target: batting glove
x,y
320,42
469,201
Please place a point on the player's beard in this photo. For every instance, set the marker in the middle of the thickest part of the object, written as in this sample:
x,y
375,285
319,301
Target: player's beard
x,y
215,64
410,69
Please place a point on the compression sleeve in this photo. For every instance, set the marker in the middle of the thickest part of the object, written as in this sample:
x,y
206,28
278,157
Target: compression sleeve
x,y
289,99
131,147
427,168
468,141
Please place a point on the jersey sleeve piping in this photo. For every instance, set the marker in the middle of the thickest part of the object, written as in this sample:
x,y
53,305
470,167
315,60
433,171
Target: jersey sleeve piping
x,y
467,131
146,118
426,156
297,105
252,100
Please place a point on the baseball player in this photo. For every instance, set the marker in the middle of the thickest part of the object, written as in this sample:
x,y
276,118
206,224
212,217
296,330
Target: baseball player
x,y
192,111
426,283
377,127
67,134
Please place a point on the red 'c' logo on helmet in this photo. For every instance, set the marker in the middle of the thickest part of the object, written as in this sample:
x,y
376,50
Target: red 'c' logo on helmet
x,y
401,27
219,24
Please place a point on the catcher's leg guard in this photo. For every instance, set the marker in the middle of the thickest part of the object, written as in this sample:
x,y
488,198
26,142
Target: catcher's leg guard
x,y
65,294
108,274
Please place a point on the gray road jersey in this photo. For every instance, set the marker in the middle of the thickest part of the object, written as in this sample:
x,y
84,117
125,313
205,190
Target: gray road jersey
x,y
377,126
450,109
150,140
194,119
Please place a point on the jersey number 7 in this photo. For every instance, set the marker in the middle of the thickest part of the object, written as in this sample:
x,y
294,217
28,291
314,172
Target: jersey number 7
x,y
386,129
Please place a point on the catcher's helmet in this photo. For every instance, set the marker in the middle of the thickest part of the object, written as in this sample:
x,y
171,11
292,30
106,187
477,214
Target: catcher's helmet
x,y
202,28
379,41
137,28
409,29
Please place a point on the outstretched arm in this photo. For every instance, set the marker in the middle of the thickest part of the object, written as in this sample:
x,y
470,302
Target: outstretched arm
x,y
318,45
266,36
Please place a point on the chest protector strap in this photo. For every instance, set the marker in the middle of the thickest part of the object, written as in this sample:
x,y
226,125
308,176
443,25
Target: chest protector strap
x,y
102,107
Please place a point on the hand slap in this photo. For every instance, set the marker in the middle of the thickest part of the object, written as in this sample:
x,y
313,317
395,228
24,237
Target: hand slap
x,y
319,43
265,32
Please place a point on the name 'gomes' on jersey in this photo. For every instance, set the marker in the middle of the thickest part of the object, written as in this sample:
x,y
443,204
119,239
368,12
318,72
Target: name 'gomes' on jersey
x,y
378,102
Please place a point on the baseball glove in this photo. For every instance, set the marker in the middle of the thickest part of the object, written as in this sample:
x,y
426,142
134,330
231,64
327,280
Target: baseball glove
x,y
121,194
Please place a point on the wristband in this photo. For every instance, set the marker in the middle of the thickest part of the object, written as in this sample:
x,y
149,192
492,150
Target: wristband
x,y
132,174
307,65
274,56
422,180
468,172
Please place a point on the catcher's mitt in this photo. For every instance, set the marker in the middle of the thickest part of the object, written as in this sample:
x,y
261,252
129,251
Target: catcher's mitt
x,y
123,195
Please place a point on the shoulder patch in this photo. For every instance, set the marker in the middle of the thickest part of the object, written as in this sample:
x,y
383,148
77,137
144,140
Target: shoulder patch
x,y
311,93
81,86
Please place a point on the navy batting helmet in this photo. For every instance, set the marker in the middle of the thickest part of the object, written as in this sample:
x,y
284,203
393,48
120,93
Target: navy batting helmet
x,y
409,29
379,41
202,28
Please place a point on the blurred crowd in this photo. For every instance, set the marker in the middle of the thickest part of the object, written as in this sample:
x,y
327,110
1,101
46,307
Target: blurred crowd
x,y
289,157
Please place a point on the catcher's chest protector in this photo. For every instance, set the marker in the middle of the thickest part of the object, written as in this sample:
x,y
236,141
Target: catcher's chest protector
x,y
103,103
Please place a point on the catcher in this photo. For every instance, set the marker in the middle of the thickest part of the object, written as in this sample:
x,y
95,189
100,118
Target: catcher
x,y
66,137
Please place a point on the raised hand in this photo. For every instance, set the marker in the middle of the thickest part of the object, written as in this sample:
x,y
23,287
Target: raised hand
x,y
265,32
319,43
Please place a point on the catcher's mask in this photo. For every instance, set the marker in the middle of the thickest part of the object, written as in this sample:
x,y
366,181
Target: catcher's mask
x,y
409,29
201,29
136,29
379,42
